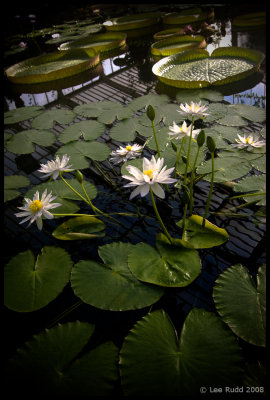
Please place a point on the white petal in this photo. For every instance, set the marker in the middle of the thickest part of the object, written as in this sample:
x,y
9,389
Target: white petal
x,y
135,192
144,190
39,223
157,189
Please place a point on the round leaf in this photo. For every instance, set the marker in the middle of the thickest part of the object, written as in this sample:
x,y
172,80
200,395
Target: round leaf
x,y
167,265
80,152
23,142
21,114
11,183
50,362
252,113
153,362
124,131
203,237
111,286
88,130
46,119
30,283
79,228
255,183
241,304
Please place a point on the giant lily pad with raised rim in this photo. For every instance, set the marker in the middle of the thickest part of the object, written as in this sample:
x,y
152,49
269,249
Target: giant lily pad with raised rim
x,y
100,42
176,18
197,69
154,361
52,66
242,304
167,47
135,21
111,285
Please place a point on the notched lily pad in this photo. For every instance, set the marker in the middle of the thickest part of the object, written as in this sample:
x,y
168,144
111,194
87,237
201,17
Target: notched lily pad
x,y
111,285
203,237
21,114
13,182
80,228
47,119
86,130
24,142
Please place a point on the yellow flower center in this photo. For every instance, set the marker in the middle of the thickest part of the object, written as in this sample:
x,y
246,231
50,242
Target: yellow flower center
x,y
249,140
128,148
35,206
149,172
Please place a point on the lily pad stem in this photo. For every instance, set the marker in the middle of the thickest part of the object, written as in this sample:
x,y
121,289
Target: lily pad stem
x,y
210,191
159,217
192,182
189,148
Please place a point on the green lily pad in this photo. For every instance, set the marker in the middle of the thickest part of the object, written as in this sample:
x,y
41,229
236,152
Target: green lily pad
x,y
30,283
252,113
227,168
176,44
216,111
233,120
47,119
54,362
13,182
254,183
144,101
166,265
203,237
21,114
137,162
154,362
196,69
79,228
24,142
88,130
105,111
228,132
162,139
242,304
111,286
259,163
124,131
81,152
195,95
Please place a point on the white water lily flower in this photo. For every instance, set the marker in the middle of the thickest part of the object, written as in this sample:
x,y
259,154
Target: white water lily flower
x,y
248,142
52,168
150,176
193,109
125,153
35,209
178,132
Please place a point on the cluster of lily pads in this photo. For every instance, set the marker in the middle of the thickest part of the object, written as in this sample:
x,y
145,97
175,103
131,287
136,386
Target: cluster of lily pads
x,y
163,149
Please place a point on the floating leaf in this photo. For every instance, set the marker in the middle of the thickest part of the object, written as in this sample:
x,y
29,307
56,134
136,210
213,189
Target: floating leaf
x,y
51,362
228,132
81,152
154,362
162,139
252,113
233,120
13,182
154,100
47,119
79,228
216,111
254,183
137,162
111,286
241,304
259,163
88,130
124,131
105,111
21,114
24,142
30,283
227,168
166,265
196,69
195,95
203,237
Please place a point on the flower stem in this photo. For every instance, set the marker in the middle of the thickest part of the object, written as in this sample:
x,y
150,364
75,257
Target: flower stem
x,y
192,182
159,217
184,219
210,191
156,141
73,190
178,155
189,148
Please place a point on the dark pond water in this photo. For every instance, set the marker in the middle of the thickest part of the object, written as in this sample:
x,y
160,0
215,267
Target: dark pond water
x,y
115,326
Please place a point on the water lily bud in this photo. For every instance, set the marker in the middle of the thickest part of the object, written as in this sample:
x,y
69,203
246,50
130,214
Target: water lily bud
x,y
174,146
211,144
184,158
150,112
79,176
201,138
